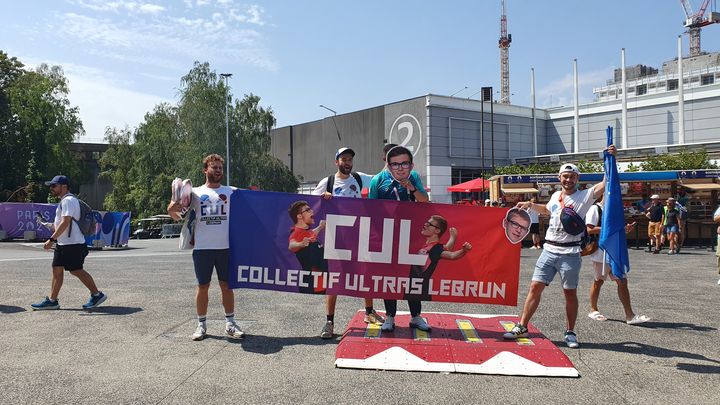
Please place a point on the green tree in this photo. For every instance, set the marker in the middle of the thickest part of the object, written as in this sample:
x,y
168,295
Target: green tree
x,y
678,161
37,124
172,141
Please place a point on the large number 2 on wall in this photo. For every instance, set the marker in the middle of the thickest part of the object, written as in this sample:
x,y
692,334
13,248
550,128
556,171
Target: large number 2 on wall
x,y
408,136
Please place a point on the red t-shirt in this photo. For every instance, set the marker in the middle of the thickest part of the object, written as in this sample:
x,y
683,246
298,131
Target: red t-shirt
x,y
298,234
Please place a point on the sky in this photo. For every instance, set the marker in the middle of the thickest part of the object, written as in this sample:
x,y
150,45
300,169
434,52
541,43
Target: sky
x,y
122,57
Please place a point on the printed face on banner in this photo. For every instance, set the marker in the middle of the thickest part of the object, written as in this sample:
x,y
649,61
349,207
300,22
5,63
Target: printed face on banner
x,y
517,225
371,248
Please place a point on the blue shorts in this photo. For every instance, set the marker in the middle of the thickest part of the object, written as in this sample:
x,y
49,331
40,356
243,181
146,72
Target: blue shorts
x,y
568,265
672,228
207,259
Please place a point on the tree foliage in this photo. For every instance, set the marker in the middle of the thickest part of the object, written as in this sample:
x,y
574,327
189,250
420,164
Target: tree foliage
x,y
173,139
679,161
37,124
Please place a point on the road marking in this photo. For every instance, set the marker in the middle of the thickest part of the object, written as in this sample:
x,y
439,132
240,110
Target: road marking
x,y
468,330
372,331
110,256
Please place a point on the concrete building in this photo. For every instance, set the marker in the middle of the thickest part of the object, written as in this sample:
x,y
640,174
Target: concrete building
x,y
450,145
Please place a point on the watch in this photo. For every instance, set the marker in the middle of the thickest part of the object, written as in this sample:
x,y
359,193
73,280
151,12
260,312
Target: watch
x,y
53,240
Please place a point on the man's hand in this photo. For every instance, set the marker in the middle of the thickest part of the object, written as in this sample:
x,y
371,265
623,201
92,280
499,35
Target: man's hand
x,y
321,225
305,242
326,195
467,246
629,227
453,232
48,244
612,150
524,205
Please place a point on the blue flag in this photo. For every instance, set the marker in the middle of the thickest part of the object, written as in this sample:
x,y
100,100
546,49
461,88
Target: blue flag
x,y
612,232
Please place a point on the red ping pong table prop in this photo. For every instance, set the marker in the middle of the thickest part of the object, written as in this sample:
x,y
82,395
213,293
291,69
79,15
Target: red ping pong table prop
x,y
461,343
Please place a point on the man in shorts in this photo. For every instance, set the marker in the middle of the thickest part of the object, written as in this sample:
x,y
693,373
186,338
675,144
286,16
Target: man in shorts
x,y
561,253
211,203
593,220
346,183
70,247
654,214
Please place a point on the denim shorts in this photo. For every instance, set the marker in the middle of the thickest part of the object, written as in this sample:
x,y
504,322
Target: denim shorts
x,y
568,265
207,259
671,228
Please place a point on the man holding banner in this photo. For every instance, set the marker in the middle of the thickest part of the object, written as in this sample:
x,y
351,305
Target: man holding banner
x,y
561,253
345,183
211,203
396,183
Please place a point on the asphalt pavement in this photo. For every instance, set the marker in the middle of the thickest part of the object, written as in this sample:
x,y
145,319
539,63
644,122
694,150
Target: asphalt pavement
x,y
136,347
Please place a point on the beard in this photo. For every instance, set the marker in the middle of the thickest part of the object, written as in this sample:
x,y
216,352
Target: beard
x,y
344,169
214,178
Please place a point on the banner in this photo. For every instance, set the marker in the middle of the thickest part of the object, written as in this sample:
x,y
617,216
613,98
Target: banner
x,y
15,218
374,248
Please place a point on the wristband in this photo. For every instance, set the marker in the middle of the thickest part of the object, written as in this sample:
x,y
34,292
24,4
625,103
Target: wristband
x,y
53,240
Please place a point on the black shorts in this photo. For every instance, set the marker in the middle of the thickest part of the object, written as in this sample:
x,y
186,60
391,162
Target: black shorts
x,y
70,257
535,228
207,259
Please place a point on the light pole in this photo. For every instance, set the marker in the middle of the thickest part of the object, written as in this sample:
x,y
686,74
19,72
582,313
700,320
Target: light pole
x,y
333,118
226,76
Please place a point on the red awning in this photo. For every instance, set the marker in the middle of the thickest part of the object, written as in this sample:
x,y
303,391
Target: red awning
x,y
471,186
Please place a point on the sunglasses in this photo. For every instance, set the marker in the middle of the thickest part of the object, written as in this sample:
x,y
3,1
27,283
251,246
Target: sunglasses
x,y
427,224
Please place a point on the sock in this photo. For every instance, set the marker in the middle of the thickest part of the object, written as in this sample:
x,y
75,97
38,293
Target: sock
x,y
202,319
368,310
230,318
97,294
330,318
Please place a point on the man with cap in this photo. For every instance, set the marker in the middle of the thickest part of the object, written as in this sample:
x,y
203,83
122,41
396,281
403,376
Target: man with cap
x,y
561,253
70,247
654,214
344,183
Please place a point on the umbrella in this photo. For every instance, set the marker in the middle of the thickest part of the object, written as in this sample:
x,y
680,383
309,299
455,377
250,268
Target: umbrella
x,y
471,186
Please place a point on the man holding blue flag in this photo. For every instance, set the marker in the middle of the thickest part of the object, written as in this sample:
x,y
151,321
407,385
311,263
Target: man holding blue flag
x,y
561,253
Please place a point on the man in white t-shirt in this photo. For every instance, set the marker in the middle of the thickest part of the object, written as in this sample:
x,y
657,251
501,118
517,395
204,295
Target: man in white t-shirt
x,y
70,247
211,203
345,184
593,221
561,252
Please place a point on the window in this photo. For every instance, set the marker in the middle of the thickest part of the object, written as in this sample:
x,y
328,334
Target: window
x,y
672,84
641,89
707,79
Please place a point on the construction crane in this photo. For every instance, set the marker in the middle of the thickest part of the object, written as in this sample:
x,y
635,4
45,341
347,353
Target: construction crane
x,y
695,21
504,45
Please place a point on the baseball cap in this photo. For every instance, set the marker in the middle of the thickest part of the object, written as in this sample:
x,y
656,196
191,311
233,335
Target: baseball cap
x,y
59,179
344,150
487,201
654,197
569,167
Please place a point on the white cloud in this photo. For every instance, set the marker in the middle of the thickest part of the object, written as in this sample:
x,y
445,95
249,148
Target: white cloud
x,y
560,92
167,41
120,5
103,100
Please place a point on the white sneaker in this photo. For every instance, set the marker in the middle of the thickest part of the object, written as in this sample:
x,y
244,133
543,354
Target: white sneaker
x,y
419,323
327,330
232,331
200,332
389,324
571,340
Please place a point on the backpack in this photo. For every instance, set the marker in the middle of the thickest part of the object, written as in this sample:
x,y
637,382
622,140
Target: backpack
x,y
331,181
87,222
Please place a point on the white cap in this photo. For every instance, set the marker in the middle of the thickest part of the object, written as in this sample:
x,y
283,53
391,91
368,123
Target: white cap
x,y
654,197
487,200
569,167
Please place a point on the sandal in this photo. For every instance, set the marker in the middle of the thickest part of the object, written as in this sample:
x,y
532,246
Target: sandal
x,y
597,316
638,319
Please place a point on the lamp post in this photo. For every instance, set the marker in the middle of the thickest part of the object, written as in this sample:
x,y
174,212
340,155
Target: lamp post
x,y
226,76
333,119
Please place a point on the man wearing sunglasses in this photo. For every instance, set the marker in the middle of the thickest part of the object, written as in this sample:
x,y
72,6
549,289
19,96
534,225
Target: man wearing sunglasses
x,y
396,183
70,247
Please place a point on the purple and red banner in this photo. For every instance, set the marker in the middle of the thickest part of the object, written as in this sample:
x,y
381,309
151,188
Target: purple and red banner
x,y
372,248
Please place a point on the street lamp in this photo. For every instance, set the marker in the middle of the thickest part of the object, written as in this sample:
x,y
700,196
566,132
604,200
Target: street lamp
x,y
226,76
333,118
